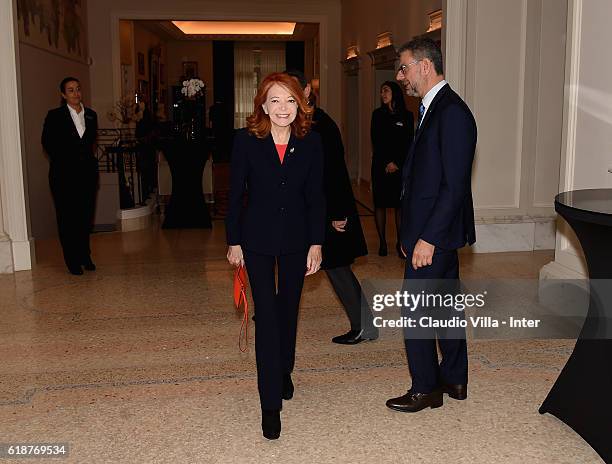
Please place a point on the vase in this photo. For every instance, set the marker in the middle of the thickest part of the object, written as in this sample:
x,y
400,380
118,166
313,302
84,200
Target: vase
x,y
192,130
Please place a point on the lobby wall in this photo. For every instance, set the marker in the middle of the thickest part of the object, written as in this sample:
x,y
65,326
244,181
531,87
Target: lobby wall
x,y
507,61
362,21
199,51
587,136
514,78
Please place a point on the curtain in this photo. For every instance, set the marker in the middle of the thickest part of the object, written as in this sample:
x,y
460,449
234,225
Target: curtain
x,y
252,63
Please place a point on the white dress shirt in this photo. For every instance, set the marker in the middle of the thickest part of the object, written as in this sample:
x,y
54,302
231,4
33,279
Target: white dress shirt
x,y
78,119
429,96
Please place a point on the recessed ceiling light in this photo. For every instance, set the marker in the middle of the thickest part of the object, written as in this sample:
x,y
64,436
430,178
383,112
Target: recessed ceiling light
x,y
234,27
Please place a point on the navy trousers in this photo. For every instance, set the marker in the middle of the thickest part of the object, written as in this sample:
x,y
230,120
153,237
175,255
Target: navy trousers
x,y
427,372
276,311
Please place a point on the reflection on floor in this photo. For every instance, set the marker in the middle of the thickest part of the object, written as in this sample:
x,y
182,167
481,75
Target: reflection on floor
x,y
139,363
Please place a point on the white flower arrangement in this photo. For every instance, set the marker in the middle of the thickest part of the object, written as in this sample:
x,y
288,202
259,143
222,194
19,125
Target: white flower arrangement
x,y
192,87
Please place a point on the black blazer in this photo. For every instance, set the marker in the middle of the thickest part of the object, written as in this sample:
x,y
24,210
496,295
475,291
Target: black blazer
x,y
69,153
285,208
437,176
391,136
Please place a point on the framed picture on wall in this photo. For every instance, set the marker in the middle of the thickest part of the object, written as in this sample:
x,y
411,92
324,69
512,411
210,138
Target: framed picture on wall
x,y
190,69
141,67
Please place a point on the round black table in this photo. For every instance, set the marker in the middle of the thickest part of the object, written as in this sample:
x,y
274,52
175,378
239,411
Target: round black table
x,y
187,207
582,395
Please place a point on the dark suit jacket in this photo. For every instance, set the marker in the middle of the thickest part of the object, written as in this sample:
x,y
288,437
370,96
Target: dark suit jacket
x,y
70,155
436,191
340,248
285,208
391,136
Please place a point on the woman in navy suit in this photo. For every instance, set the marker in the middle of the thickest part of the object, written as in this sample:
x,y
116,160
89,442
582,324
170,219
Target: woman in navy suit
x,y
69,137
278,162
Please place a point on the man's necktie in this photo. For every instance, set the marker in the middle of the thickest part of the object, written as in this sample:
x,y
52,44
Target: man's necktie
x,y
421,113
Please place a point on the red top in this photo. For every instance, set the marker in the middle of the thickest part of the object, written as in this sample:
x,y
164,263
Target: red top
x,y
281,149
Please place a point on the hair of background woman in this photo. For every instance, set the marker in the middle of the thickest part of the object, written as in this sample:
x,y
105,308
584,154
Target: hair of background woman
x,y
62,87
397,97
299,75
259,123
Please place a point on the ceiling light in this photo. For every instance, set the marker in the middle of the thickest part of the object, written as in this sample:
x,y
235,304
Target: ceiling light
x,y
234,28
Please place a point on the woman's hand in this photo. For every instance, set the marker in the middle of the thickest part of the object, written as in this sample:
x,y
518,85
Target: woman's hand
x,y
340,225
234,255
313,260
391,168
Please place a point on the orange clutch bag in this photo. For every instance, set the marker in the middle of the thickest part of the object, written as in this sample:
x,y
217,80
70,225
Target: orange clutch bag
x,y
240,300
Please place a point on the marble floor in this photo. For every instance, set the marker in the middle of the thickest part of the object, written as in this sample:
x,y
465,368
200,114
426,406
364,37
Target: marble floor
x,y
138,362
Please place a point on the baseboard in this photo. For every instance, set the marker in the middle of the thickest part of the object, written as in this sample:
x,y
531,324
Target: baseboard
x,y
6,255
15,255
514,233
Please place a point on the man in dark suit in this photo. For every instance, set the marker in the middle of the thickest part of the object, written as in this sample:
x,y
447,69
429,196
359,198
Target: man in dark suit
x,y
437,220
69,137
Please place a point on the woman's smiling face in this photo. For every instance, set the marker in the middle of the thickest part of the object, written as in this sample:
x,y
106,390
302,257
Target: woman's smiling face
x,y
281,106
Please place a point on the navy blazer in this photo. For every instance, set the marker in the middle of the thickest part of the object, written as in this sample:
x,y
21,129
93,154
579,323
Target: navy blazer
x,y
437,176
285,207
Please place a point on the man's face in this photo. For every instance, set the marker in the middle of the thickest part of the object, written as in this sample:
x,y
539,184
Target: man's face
x,y
72,93
409,74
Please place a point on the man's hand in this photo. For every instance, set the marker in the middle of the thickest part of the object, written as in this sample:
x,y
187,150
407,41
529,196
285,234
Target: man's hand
x,y
313,260
422,255
339,225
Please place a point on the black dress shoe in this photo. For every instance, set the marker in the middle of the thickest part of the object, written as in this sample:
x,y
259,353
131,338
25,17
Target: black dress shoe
x,y
89,265
352,337
456,392
287,387
414,402
75,270
271,423
382,250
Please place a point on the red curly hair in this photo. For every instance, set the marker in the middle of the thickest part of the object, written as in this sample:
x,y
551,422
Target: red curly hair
x,y
259,123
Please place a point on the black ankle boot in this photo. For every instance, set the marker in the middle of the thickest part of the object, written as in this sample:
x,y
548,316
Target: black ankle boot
x,y
271,423
287,387
382,249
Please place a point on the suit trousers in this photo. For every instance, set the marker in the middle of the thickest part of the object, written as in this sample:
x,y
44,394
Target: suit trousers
x,y
348,289
441,277
74,211
276,311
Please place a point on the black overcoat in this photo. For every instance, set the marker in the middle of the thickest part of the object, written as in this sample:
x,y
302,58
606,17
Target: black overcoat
x,y
340,248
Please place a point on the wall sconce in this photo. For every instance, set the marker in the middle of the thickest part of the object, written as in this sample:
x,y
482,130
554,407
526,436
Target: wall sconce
x,y
352,52
314,83
384,40
435,20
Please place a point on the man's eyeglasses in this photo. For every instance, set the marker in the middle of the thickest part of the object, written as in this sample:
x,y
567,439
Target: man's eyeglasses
x,y
403,68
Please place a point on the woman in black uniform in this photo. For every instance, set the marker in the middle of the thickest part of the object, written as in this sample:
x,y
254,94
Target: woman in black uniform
x,y
69,138
392,131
